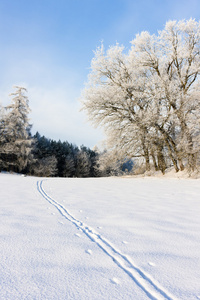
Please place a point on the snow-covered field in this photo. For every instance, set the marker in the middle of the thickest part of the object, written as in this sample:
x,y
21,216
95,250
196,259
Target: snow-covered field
x,y
105,238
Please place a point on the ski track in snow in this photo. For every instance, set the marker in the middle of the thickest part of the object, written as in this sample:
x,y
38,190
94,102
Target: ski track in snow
x,y
148,284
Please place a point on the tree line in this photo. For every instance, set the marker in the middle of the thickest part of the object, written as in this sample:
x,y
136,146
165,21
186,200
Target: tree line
x,y
148,98
62,159
20,151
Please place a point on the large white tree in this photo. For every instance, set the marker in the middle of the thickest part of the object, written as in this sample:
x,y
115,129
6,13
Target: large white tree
x,y
148,99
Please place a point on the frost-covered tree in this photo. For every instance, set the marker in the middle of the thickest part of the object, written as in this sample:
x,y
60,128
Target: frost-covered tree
x,y
108,164
45,167
148,99
83,164
18,144
2,136
69,169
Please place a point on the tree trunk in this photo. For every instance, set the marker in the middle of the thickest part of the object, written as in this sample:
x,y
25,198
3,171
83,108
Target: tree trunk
x,y
161,160
154,161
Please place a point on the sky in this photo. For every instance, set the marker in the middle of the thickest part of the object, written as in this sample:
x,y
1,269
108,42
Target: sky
x,y
47,46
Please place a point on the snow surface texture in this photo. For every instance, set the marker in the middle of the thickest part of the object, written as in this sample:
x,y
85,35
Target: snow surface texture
x,y
100,238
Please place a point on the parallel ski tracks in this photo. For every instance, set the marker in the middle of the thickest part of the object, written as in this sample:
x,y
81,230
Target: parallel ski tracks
x,y
150,286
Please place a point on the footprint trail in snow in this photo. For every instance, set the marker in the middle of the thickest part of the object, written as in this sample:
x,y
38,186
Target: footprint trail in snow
x,y
149,285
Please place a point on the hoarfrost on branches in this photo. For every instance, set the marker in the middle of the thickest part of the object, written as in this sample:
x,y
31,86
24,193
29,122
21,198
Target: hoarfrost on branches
x,y
148,98
16,141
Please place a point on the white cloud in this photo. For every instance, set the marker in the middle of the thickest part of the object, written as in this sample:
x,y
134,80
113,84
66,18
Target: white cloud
x,y
57,116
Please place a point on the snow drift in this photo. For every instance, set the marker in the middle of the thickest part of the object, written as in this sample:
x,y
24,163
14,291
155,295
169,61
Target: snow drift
x,y
100,238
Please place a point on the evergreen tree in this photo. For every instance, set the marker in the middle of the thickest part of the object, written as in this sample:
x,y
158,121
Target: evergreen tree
x,y
69,169
17,144
83,164
45,167
2,137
